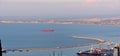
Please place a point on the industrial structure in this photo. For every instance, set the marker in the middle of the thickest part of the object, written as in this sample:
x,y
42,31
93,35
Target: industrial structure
x,y
101,52
117,50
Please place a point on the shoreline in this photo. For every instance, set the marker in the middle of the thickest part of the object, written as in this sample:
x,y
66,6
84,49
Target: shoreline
x,y
64,24
99,41
85,22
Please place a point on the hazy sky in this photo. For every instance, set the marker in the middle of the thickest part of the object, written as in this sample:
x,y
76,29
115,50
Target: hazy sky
x,y
60,8
42,0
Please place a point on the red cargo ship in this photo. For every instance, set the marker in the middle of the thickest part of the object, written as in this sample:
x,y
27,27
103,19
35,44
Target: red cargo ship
x,y
47,30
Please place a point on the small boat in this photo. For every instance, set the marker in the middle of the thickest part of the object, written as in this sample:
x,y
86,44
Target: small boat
x,y
47,30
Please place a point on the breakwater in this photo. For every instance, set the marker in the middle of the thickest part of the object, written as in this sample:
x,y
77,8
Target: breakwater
x,y
100,41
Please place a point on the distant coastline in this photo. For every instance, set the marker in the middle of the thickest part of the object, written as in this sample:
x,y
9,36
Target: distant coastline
x,y
95,21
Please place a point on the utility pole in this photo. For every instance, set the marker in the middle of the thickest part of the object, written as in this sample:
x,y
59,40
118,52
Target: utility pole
x,y
53,53
61,53
0,48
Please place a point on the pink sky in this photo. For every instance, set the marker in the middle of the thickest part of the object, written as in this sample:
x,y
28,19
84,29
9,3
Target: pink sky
x,y
59,8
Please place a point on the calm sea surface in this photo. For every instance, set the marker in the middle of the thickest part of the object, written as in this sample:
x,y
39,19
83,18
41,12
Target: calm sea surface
x,y
30,36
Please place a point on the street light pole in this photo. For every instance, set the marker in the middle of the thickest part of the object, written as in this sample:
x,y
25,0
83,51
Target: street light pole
x,y
0,48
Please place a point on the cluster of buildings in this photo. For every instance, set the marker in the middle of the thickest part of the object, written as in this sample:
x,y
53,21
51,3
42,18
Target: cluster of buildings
x,y
100,21
101,52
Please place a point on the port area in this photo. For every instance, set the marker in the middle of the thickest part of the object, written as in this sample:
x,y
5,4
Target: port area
x,y
96,52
